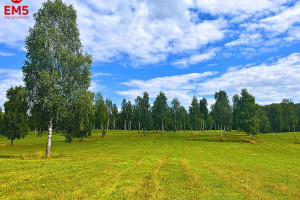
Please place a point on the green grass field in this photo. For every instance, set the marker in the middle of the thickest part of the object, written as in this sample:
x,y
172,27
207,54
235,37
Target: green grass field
x,y
128,165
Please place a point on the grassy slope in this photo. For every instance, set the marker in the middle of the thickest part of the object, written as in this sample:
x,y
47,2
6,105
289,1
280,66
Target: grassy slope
x,y
127,165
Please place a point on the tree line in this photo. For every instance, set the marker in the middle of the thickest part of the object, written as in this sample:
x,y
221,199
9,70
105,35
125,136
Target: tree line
x,y
56,96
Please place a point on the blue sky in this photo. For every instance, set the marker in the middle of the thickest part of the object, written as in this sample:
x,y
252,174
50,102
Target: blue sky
x,y
182,48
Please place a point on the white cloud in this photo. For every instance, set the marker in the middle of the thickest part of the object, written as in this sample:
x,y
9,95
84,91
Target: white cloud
x,y
196,58
6,54
246,39
96,86
9,78
143,32
267,82
181,86
280,22
235,7
101,74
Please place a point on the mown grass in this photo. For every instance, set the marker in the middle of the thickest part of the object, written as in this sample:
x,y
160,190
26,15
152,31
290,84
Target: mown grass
x,y
128,165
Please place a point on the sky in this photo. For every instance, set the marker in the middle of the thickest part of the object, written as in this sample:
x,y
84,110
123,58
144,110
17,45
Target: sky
x,y
180,47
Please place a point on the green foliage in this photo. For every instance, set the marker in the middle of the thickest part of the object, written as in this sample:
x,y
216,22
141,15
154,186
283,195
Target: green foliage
x,y
195,114
289,115
79,120
274,114
15,120
248,113
145,112
222,111
101,116
159,110
175,109
264,124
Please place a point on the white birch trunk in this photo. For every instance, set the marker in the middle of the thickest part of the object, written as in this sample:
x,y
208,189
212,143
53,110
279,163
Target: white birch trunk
x,y
114,122
107,123
295,132
48,149
221,133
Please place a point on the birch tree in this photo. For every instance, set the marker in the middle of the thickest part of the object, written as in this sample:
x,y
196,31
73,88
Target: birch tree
x,y
55,69
15,122
160,107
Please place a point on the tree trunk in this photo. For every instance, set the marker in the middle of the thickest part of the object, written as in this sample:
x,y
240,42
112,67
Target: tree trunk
x,y
107,123
221,134
196,134
162,125
224,130
114,122
102,135
48,149
12,142
125,126
34,131
144,131
295,132
252,137
139,127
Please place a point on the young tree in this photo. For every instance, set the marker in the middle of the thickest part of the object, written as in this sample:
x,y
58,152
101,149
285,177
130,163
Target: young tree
x,y
236,113
124,113
222,111
15,118
145,112
195,115
204,111
160,107
175,112
275,117
249,120
56,70
183,118
114,114
264,124
108,104
129,114
289,115
138,111
100,113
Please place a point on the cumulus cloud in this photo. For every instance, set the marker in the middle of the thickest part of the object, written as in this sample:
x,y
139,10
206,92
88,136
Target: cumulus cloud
x,y
280,22
267,82
143,32
180,86
236,7
196,58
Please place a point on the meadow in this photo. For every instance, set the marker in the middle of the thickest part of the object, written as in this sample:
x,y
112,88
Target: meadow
x,y
129,165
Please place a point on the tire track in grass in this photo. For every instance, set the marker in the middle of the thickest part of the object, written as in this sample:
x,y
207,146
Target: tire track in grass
x,y
151,187
240,179
138,154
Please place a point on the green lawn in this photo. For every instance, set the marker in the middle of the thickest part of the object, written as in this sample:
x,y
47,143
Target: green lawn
x,y
128,165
